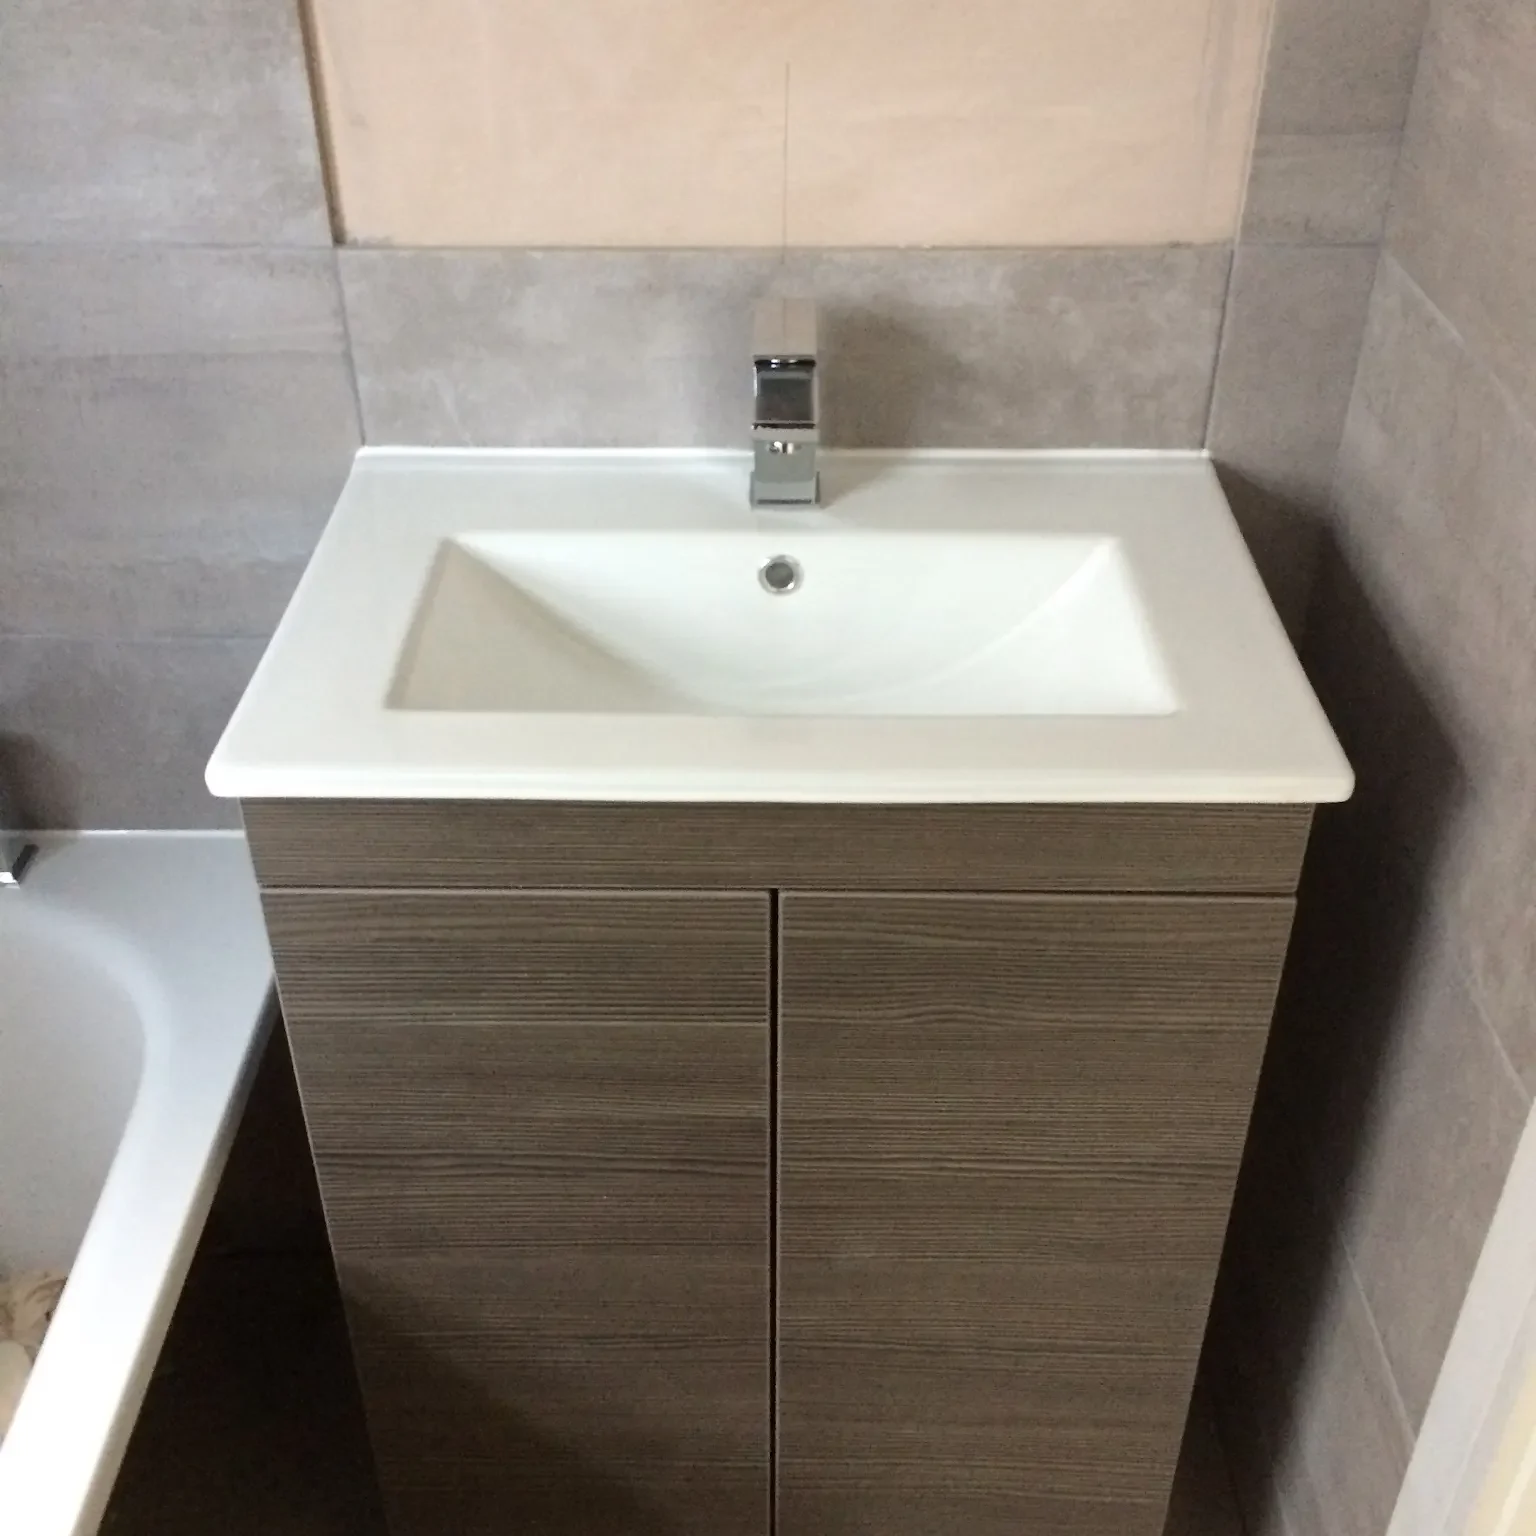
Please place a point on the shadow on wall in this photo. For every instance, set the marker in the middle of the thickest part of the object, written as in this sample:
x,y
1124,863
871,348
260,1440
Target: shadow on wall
x,y
38,789
268,1200
1363,908
1283,534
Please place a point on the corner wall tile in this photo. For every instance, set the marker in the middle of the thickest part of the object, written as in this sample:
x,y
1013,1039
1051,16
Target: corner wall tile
x,y
1446,1121
1303,1392
1341,68
1436,495
1491,910
1336,93
1295,317
174,120
106,734
923,348
1391,481
174,428
1319,188
1353,1442
1463,221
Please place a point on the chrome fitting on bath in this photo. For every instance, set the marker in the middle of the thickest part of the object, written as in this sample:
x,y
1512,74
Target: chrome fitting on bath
x,y
786,414
15,851
15,854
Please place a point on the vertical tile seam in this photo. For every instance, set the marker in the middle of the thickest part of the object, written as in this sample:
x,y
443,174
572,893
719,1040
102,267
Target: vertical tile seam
x,y
348,348
325,148
1336,1236
1479,1007
1223,326
1471,354
1256,110
1404,1422
1416,90
1336,472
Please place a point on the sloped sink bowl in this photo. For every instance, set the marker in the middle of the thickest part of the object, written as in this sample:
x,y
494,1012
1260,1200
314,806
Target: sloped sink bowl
x,y
894,624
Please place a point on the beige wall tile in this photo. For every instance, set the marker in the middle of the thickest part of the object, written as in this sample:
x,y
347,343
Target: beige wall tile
x,y
600,122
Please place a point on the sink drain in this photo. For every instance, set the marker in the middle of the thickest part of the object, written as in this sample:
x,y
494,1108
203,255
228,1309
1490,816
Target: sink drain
x,y
780,575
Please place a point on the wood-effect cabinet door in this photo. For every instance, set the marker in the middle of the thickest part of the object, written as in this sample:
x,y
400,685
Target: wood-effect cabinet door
x,y
541,1128
1009,1132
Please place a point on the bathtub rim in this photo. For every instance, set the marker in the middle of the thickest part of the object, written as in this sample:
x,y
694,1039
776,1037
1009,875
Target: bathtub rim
x,y
202,936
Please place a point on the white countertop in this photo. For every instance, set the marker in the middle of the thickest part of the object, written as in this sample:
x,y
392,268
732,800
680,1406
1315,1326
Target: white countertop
x,y
318,721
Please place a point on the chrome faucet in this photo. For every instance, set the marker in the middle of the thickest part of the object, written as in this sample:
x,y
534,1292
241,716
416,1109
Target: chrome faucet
x,y
15,851
786,404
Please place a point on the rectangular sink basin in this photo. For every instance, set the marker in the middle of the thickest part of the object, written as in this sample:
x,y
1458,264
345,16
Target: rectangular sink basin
x,y
685,623
622,626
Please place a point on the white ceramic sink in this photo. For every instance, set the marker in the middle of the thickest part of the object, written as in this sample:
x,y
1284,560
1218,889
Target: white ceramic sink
x,y
966,627
679,623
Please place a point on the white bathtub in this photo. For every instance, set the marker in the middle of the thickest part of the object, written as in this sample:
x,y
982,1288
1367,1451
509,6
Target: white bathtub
x,y
134,1001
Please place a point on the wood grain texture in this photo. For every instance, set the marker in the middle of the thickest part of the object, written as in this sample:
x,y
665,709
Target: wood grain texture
x,y
1009,1130
541,1129
455,957
1233,849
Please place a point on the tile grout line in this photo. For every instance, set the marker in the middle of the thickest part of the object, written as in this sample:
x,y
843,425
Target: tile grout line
x,y
1405,1423
348,349
1511,402
1479,1007
1223,326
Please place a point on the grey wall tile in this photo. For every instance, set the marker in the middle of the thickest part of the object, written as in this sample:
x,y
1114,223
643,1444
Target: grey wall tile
x,y
1308,1411
1447,1117
1436,507
1354,1444
1319,188
178,120
1017,349
1391,485
1309,1414
174,428
157,301
116,734
1335,95
952,348
557,347
1341,68
1464,210
1295,316
1491,908
1436,492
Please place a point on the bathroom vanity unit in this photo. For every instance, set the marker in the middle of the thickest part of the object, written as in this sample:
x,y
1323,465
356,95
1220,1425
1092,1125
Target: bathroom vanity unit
x,y
778,1060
